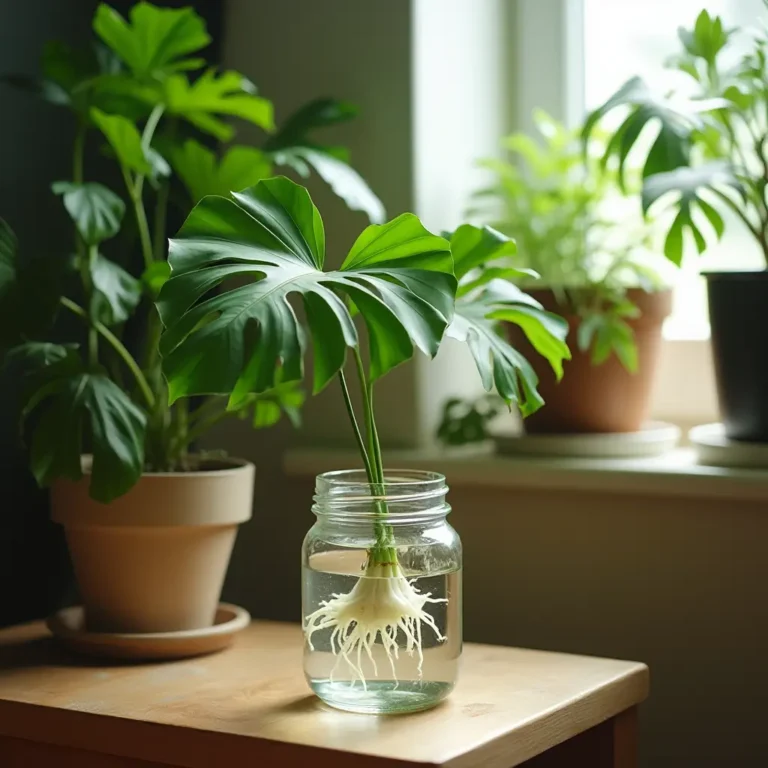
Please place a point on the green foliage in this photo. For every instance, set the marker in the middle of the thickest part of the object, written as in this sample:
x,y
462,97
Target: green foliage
x,y
465,421
711,150
480,311
237,342
64,403
203,174
267,244
156,40
556,203
146,92
96,211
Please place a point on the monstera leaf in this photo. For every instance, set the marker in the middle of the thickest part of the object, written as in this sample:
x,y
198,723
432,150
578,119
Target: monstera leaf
x,y
116,292
677,119
156,41
479,313
687,183
247,338
66,402
212,94
96,211
292,146
203,174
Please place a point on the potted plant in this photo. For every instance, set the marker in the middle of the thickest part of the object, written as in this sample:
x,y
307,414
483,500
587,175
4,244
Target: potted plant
x,y
590,265
268,244
149,523
708,160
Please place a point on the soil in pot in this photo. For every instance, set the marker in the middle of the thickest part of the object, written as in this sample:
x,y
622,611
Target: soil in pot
x,y
597,398
154,560
738,314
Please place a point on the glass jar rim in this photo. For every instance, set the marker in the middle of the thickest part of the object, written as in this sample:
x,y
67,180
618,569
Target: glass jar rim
x,y
348,492
396,481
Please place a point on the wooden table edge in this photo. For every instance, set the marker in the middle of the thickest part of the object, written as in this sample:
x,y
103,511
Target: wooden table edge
x,y
189,747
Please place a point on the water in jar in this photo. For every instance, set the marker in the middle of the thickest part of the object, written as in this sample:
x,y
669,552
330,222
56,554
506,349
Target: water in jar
x,y
370,679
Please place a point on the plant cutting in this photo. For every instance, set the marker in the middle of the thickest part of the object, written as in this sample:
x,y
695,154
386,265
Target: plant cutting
x,y
705,165
589,261
159,111
266,245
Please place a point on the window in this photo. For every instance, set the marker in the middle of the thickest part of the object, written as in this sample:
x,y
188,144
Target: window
x,y
623,39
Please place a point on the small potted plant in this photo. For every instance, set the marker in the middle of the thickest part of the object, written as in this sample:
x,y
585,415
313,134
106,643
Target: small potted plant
x,y
381,567
709,161
588,264
149,523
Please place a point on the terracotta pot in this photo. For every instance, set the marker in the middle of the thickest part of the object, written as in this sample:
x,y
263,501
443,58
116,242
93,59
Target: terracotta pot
x,y
154,560
597,398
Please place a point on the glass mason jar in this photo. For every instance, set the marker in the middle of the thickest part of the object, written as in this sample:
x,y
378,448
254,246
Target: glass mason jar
x,y
381,593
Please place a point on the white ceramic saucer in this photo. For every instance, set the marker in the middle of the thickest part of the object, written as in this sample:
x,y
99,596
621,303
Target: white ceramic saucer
x,y
69,626
715,449
654,439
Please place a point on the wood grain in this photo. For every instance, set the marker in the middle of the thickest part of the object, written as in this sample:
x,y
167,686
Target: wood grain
x,y
250,703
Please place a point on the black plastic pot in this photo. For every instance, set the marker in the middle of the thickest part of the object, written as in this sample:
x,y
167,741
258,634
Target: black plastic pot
x,y
738,313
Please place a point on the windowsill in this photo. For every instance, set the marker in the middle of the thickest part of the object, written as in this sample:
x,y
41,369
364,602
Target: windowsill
x,y
674,474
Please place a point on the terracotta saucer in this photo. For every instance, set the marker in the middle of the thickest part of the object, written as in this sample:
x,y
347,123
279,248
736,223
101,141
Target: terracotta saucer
x,y
69,626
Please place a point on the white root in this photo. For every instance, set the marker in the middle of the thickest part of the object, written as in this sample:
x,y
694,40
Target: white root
x,y
380,605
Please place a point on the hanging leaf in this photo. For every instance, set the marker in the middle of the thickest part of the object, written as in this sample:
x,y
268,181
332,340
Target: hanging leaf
x,y
117,293
688,183
156,40
67,402
292,146
677,119
125,140
398,275
203,174
96,210
210,95
478,316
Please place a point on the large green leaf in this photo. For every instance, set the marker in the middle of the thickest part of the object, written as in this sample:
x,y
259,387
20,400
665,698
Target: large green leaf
x,y
398,275
156,41
479,313
96,210
67,402
203,174
677,120
687,183
116,293
124,139
210,95
292,146
30,287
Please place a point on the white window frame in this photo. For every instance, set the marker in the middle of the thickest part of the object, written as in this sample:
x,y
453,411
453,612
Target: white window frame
x,y
548,37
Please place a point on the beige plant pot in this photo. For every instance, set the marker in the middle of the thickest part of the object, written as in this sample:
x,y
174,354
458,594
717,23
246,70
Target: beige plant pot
x,y
154,560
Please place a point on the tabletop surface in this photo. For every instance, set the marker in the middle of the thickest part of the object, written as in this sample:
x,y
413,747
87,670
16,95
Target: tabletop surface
x,y
251,702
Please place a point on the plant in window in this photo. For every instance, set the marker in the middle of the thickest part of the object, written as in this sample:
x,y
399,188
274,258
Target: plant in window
x,y
589,261
400,281
704,153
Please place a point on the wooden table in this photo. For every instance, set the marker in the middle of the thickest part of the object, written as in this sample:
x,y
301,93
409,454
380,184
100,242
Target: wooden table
x,y
249,706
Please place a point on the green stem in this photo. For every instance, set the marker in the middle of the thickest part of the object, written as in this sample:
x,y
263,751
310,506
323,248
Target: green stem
x,y
117,345
356,428
383,552
368,416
